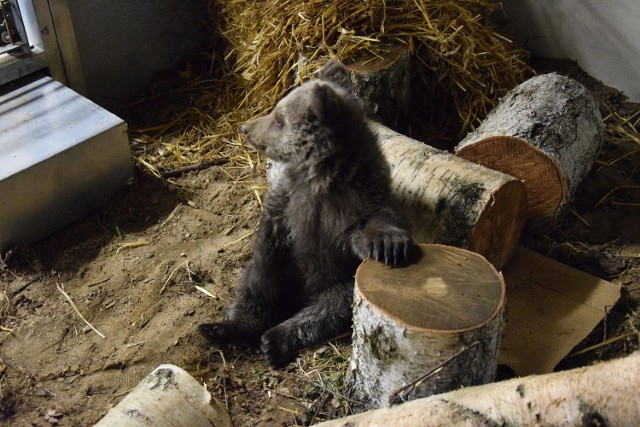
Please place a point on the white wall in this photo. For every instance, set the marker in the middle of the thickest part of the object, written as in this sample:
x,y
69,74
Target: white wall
x,y
603,36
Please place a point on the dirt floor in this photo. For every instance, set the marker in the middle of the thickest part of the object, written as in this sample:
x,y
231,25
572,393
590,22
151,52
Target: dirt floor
x,y
132,268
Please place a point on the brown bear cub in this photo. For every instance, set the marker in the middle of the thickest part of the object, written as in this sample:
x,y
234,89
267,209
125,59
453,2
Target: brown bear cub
x,y
326,211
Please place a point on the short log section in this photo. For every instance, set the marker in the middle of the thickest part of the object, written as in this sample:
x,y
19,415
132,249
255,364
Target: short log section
x,y
168,396
383,85
546,132
407,321
451,201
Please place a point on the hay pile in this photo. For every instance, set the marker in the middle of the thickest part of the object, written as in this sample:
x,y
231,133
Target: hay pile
x,y
269,45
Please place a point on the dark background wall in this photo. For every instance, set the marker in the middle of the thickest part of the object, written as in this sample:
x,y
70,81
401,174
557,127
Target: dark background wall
x,y
123,43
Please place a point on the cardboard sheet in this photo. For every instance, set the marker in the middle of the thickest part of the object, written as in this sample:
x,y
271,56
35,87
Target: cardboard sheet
x,y
551,308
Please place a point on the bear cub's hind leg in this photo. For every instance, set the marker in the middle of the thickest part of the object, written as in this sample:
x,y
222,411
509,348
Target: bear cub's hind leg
x,y
268,291
328,316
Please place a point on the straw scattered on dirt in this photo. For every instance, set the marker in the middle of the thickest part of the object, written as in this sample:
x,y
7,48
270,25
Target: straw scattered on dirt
x,y
136,268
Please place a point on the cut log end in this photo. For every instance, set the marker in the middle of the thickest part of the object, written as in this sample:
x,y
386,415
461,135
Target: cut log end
x,y
374,64
546,132
450,290
540,173
497,231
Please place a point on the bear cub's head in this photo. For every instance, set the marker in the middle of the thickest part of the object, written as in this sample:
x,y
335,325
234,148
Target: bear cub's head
x,y
311,122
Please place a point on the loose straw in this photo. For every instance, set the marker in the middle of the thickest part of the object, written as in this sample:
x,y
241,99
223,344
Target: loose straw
x,y
75,308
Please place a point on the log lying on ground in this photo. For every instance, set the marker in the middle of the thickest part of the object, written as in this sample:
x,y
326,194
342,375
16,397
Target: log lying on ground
x,y
451,201
605,394
168,396
546,132
407,321
383,85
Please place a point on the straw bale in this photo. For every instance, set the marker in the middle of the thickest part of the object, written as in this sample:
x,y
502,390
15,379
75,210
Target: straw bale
x,y
262,48
452,42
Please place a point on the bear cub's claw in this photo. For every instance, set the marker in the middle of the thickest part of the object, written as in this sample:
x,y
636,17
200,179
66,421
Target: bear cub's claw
x,y
393,250
389,244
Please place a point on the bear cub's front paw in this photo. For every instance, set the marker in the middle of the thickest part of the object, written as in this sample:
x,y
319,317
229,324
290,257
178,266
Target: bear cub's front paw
x,y
389,244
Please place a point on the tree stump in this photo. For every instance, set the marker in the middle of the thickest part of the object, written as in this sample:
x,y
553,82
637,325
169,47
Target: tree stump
x,y
451,201
168,396
546,132
406,321
383,85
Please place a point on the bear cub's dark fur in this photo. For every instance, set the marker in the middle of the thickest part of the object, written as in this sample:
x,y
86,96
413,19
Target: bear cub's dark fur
x,y
326,211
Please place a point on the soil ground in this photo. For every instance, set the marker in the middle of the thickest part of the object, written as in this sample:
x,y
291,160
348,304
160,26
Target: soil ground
x,y
132,268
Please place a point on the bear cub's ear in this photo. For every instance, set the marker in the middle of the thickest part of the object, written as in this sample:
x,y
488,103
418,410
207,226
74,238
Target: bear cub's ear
x,y
326,105
335,72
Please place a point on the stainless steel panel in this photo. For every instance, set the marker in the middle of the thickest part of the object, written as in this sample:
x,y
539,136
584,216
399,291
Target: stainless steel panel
x,y
66,40
13,66
61,156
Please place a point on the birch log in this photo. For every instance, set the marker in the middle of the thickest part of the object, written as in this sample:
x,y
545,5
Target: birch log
x,y
605,394
407,321
451,201
167,397
546,132
383,86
